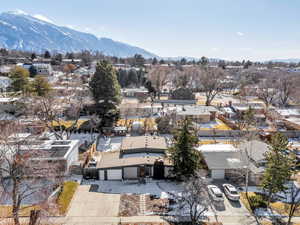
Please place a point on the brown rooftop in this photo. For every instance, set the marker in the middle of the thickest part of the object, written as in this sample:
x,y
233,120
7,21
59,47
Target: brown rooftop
x,y
113,160
144,142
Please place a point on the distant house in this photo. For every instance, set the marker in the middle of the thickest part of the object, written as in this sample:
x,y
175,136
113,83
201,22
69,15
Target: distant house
x,y
5,83
173,102
241,108
8,104
73,61
43,68
289,112
5,69
139,157
198,114
134,92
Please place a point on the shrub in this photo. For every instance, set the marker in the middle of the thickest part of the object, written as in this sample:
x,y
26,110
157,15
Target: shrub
x,y
66,196
257,201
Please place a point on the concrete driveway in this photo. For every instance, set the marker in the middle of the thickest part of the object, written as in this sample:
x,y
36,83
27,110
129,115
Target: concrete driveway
x,y
87,203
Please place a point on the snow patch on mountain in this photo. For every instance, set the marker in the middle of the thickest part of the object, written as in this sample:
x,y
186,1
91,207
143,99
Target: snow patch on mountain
x,y
21,31
43,18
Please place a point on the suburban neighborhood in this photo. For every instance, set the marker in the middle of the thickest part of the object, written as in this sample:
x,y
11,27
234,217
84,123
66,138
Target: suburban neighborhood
x,y
130,138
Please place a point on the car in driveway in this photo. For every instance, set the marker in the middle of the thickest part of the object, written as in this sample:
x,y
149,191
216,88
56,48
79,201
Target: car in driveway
x,y
231,192
215,193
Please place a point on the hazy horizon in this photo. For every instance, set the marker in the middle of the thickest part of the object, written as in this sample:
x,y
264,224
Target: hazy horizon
x,y
227,29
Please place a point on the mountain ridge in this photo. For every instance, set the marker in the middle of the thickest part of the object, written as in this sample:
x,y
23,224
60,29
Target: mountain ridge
x,y
21,31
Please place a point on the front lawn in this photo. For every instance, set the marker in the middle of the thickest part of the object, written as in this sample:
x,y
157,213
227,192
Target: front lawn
x,y
66,196
6,210
283,208
279,207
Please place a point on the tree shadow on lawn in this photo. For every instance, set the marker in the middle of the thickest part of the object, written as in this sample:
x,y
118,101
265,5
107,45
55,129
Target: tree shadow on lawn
x,y
235,204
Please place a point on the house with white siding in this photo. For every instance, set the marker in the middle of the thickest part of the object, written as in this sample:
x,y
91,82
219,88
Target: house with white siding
x,y
138,157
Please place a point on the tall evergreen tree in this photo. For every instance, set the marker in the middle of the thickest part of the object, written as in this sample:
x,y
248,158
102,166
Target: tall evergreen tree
x,y
33,56
186,159
154,61
19,77
47,55
278,168
106,92
104,84
122,77
33,71
41,86
132,78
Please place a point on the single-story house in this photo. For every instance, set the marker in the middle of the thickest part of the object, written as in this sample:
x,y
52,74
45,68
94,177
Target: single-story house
x,y
43,156
174,102
138,157
221,159
198,114
254,151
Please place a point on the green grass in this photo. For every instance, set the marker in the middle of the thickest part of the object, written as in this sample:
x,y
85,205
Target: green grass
x,y
66,196
6,210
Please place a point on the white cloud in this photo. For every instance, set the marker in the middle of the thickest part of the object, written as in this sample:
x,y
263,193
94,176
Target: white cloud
x,y
215,49
240,33
43,18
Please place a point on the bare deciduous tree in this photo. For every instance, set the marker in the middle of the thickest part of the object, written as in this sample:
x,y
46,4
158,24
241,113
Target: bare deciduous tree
x,y
52,111
285,86
159,77
212,81
293,195
267,92
194,200
22,180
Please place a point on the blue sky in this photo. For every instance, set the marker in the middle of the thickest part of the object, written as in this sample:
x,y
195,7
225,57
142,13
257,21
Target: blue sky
x,y
228,29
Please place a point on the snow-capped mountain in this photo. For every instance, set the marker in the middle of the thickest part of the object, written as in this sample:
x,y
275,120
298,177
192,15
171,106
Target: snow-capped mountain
x,y
21,31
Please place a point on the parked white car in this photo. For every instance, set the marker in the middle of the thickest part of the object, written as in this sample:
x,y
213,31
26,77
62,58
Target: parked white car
x,y
231,192
215,193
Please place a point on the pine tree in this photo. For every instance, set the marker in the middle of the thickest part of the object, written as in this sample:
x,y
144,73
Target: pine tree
x,y
132,78
41,86
278,168
33,71
33,56
106,92
104,84
186,159
19,77
47,55
122,77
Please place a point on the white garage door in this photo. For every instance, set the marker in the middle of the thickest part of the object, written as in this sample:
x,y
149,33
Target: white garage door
x,y
101,175
217,174
130,172
115,174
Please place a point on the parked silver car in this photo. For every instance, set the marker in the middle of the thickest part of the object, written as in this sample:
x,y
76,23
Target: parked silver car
x,y
215,193
231,192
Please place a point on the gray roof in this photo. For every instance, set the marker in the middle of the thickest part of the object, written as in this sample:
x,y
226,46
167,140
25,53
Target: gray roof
x,y
256,149
223,159
177,102
221,156
196,110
